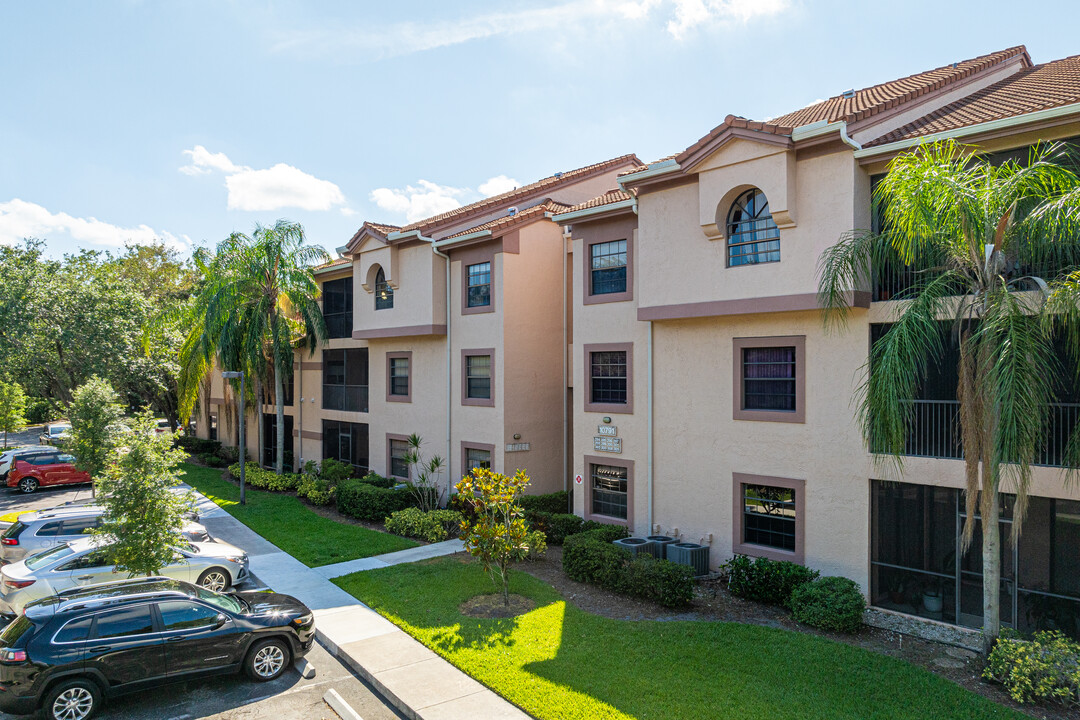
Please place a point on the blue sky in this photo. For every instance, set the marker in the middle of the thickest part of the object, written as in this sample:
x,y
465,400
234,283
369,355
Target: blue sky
x,y
189,120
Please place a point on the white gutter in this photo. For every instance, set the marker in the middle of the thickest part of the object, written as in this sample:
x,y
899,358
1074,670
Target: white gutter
x,y
989,126
449,375
568,217
462,238
664,167
823,127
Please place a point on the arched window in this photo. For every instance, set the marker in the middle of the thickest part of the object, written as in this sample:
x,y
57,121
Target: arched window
x,y
751,233
384,294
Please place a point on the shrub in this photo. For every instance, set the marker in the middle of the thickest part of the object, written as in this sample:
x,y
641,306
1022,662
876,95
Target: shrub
x,y
432,526
377,480
588,557
197,445
1045,668
829,603
316,490
334,472
229,454
258,477
211,460
559,526
555,503
764,580
41,410
603,532
364,501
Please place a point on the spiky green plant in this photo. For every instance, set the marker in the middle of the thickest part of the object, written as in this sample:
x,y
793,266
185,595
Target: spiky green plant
x,y
972,231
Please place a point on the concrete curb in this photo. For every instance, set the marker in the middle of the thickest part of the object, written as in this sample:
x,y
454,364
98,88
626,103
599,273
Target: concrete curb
x,y
342,708
380,687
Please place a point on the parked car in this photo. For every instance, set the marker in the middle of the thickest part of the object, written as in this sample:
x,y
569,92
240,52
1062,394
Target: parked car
x,y
83,562
191,514
37,531
66,654
163,425
7,457
54,433
30,472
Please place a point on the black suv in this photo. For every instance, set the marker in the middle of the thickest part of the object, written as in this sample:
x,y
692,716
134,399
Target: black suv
x,y
66,653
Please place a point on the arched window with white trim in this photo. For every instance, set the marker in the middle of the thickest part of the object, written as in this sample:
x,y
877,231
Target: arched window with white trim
x,y
752,236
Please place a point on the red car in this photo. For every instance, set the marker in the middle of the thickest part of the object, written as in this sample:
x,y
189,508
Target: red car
x,y
44,469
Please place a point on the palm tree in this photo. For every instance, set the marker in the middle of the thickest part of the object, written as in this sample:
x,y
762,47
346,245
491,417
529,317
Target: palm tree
x,y
986,247
260,302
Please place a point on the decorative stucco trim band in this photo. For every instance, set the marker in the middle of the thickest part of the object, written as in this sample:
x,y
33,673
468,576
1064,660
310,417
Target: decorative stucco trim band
x,y
745,306
393,332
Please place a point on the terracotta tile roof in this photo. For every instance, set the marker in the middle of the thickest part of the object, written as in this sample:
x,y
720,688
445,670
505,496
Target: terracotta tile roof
x,y
609,198
872,100
528,214
645,166
532,189
377,229
733,121
325,267
1041,87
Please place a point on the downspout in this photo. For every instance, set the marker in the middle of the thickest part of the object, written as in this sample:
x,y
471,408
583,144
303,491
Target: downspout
x,y
565,430
846,138
300,418
649,410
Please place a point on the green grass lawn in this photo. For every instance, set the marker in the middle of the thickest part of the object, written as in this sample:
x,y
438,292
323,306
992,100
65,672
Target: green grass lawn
x,y
286,521
560,662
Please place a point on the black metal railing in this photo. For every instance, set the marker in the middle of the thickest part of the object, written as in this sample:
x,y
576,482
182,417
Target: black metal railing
x,y
895,280
934,431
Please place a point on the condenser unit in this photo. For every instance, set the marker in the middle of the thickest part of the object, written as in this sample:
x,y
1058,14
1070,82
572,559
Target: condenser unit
x,y
661,542
692,554
638,546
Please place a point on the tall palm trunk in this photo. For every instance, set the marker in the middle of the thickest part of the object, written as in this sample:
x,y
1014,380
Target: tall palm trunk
x,y
991,563
279,396
258,419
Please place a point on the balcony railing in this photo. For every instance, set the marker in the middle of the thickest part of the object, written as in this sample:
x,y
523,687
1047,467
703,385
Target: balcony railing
x,y
352,398
935,431
896,281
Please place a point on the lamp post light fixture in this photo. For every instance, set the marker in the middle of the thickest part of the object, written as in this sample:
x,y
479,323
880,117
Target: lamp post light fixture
x,y
232,375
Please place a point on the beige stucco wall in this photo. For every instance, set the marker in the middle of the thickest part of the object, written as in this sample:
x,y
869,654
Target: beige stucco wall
x,y
419,281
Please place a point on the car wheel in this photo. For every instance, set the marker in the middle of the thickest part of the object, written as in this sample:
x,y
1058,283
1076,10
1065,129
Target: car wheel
x,y
267,660
215,579
72,700
28,484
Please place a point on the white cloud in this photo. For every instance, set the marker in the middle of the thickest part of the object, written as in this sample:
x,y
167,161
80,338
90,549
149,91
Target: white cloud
x,y
679,18
420,201
20,219
498,185
281,186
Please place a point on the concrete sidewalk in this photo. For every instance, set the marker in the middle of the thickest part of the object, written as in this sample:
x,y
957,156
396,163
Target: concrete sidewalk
x,y
411,677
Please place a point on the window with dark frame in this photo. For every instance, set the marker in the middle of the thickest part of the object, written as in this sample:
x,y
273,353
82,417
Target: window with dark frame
x,y
346,442
769,516
479,279
608,267
608,377
384,294
399,451
769,379
345,380
477,458
478,376
213,430
752,236
338,307
399,376
608,485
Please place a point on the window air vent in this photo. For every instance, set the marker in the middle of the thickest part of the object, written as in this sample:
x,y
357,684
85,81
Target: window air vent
x,y
849,94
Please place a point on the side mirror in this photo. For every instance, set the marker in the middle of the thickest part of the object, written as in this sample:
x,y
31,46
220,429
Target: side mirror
x,y
220,620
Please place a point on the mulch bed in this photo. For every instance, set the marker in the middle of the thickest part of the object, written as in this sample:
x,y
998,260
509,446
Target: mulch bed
x,y
712,601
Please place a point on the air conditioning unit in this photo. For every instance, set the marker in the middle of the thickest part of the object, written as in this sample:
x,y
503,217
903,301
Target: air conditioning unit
x,y
661,542
691,554
638,546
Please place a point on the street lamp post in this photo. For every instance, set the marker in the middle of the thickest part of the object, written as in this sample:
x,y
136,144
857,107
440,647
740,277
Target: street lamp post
x,y
232,375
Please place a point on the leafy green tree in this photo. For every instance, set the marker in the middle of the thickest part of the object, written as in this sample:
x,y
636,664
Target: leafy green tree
x,y
95,416
986,242
424,475
259,303
12,408
497,533
143,512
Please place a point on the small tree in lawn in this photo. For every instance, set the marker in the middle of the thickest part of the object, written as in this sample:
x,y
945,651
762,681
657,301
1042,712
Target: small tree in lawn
x,y
143,515
497,534
95,416
424,475
12,407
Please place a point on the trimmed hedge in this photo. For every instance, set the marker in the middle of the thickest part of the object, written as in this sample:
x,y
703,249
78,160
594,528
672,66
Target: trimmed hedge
x,y
211,460
591,557
555,503
198,446
829,603
559,526
316,490
263,479
365,501
377,480
767,581
432,526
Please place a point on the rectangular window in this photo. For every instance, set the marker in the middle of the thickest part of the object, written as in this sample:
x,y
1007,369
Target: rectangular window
x,y
608,376
213,434
769,516
399,450
338,307
398,374
479,284
478,377
477,458
769,378
609,489
345,380
347,442
608,267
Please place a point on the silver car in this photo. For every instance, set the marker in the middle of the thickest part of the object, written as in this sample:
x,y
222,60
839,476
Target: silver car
x,y
37,531
213,565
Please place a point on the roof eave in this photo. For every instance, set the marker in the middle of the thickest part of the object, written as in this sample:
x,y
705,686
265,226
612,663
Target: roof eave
x,y
610,208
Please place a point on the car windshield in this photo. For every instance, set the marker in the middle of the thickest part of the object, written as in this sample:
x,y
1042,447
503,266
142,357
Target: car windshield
x,y
15,630
220,600
48,557
14,530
